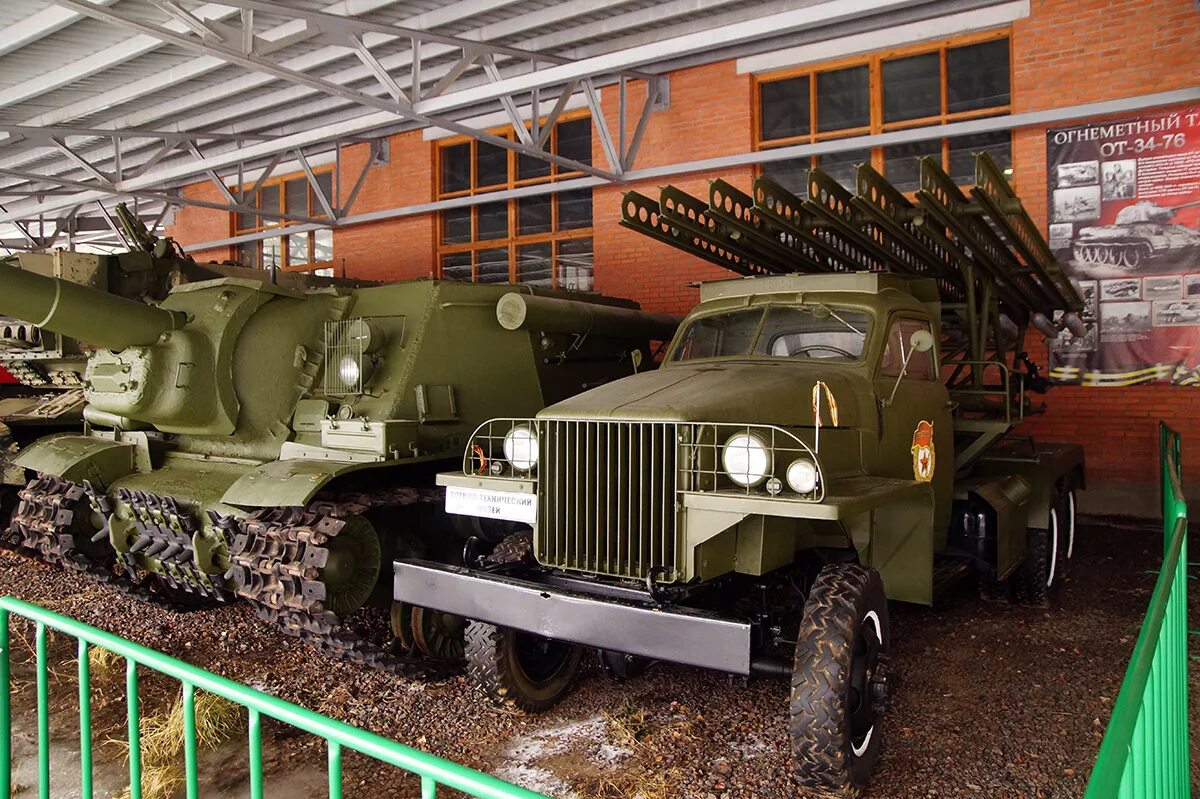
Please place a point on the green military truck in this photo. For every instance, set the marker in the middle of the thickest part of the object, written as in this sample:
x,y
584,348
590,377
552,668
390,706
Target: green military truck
x,y
832,431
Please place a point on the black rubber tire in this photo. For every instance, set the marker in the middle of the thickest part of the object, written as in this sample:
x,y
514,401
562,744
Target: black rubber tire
x,y
494,665
1038,572
826,758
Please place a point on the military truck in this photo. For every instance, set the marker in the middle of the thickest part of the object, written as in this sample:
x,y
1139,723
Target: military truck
x,y
805,453
247,439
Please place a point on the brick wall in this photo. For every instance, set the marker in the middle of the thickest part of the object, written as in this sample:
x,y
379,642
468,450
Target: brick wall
x,y
1066,52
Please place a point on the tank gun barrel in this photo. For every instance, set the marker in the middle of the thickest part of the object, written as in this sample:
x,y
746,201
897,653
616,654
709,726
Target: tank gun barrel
x,y
553,314
70,309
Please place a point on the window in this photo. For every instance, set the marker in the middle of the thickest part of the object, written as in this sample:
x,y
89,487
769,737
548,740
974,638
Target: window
x,y
543,240
920,364
297,252
928,85
806,331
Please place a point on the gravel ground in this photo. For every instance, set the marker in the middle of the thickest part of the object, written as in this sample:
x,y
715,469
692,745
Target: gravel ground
x,y
992,700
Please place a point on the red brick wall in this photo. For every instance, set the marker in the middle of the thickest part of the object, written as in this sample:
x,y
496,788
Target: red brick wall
x,y
1066,52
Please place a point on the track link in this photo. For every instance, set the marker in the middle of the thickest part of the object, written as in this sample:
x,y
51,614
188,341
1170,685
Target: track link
x,y
276,558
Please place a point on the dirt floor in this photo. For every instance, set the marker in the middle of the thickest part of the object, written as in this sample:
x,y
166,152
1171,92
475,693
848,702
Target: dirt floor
x,y
992,700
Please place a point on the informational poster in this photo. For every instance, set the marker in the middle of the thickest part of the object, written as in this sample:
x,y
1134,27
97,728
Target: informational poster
x,y
1124,208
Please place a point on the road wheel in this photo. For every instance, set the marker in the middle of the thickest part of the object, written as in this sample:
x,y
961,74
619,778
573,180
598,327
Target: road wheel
x,y
838,691
438,635
520,670
620,666
1039,570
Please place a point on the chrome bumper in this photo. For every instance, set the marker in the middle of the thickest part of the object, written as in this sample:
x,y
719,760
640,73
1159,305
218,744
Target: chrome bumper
x,y
679,635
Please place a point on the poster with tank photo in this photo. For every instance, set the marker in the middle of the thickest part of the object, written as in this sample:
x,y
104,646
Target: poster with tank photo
x,y
1164,287
1135,232
1128,288
1082,173
1077,205
1089,292
1120,179
1177,312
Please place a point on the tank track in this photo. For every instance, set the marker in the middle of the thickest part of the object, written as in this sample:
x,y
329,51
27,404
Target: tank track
x,y
41,528
275,560
165,532
1128,255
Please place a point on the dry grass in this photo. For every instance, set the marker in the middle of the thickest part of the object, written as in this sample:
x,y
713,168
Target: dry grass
x,y
104,665
162,741
634,783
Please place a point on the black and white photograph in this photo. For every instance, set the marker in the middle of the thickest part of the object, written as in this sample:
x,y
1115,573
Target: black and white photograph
x,y
1080,173
1191,285
1077,205
1129,288
1162,287
1117,318
1119,179
1176,313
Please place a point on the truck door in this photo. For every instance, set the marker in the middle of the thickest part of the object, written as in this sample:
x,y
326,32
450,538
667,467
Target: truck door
x,y
917,434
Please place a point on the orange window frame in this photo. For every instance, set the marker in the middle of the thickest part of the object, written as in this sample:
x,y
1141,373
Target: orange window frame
x,y
514,240
874,63
312,209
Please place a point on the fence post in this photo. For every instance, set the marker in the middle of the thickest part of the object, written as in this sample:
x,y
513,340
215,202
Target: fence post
x,y
5,708
85,722
135,738
43,713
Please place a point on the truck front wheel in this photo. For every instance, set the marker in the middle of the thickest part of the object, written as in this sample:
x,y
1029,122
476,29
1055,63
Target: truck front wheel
x,y
838,690
517,669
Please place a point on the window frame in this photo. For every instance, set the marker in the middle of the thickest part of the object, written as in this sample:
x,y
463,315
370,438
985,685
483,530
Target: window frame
x,y
874,62
514,240
313,209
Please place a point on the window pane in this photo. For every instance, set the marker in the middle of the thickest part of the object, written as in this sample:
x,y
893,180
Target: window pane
x,y
792,174
843,99
492,222
963,149
322,245
784,108
325,181
456,168
327,272
247,254
491,164
900,163
246,221
530,167
977,76
897,351
491,266
456,225
272,252
268,200
297,245
534,264
456,266
843,167
576,270
574,209
295,196
575,140
912,87
533,215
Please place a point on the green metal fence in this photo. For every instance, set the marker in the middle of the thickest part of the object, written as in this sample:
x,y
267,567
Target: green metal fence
x,y
1144,754
433,771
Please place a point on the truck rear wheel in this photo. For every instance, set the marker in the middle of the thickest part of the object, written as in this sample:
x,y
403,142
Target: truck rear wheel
x,y
1039,570
838,692
517,669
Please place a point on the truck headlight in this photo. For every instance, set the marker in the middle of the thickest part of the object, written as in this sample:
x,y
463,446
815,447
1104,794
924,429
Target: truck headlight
x,y
746,459
802,476
521,448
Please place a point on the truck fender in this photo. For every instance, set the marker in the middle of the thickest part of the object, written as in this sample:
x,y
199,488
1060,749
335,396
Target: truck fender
x,y
78,458
292,482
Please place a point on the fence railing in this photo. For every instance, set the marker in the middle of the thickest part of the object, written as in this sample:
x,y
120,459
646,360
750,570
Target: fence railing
x,y
433,771
1144,754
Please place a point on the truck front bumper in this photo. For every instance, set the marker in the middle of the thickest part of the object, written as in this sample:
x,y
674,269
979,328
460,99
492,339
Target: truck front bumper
x,y
680,635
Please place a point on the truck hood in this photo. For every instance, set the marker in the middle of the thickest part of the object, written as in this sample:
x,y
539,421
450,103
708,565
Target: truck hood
x,y
759,392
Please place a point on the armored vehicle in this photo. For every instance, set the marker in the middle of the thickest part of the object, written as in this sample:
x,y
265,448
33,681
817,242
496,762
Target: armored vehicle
x,y
246,439
1141,236
803,454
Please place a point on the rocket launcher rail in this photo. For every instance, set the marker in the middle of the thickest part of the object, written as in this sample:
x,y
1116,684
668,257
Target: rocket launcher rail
x,y
984,242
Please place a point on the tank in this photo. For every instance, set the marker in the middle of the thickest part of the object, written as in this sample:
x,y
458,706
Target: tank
x,y
1141,236
249,440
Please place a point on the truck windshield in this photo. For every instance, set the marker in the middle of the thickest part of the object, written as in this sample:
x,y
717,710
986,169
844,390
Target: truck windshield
x,y
806,331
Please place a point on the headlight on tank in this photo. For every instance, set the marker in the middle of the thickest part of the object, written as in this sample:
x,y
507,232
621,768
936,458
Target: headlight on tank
x,y
802,476
746,459
349,371
521,448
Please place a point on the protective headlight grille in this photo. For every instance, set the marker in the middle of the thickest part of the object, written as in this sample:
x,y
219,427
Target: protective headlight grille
x,y
344,354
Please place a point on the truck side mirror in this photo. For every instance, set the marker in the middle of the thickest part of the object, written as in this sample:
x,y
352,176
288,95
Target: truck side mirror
x,y
921,341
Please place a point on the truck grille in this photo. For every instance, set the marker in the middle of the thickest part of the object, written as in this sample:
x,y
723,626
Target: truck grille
x,y
607,497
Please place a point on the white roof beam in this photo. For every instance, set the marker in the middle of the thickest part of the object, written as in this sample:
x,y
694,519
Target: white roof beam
x,y
39,25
